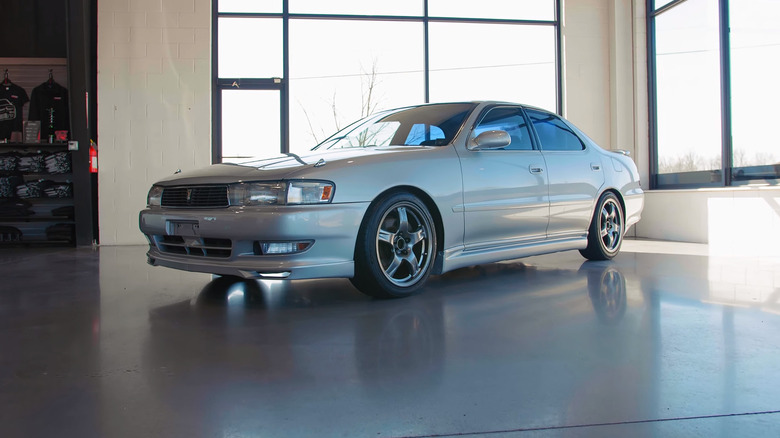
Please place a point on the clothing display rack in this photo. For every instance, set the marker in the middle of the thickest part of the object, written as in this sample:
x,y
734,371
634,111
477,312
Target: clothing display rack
x,y
37,204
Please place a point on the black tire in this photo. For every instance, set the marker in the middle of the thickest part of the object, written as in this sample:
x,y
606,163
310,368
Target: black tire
x,y
605,234
396,247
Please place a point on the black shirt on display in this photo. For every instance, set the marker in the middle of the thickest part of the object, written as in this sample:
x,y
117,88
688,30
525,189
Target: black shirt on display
x,y
49,102
12,99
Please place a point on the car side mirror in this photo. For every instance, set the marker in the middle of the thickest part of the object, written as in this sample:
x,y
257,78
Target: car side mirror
x,y
491,140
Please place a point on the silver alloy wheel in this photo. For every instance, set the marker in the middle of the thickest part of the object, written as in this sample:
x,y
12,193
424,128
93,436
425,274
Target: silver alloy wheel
x,y
611,225
404,244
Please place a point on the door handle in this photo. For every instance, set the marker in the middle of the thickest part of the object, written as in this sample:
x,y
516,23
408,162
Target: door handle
x,y
595,167
536,169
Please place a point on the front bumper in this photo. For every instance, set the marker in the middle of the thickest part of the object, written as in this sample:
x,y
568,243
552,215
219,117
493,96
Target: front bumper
x,y
225,241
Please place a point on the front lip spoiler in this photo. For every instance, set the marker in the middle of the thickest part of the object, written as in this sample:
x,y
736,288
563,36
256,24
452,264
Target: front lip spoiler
x,y
269,275
343,269
281,275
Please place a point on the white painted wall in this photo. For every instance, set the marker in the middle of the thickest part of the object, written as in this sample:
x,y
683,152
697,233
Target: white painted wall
x,y
605,72
586,59
154,103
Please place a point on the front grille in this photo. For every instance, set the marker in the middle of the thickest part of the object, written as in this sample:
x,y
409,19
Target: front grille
x,y
200,247
195,197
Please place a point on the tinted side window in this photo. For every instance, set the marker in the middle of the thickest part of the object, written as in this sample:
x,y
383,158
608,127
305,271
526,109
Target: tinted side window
x,y
510,120
553,133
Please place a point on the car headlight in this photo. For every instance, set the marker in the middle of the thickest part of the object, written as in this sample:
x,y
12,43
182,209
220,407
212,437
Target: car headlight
x,y
154,198
257,193
280,193
309,192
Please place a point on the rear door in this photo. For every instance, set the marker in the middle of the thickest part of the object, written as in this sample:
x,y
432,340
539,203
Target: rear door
x,y
575,174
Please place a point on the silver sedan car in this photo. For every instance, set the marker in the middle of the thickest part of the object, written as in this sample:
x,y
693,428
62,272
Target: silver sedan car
x,y
398,196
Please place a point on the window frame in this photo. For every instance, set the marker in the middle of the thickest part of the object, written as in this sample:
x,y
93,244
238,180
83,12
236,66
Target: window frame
x,y
563,121
531,133
724,176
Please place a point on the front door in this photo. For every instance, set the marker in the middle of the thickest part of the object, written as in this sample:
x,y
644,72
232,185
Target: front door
x,y
504,190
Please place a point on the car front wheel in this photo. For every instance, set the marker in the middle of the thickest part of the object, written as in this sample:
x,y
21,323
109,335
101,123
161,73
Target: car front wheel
x,y
396,247
605,234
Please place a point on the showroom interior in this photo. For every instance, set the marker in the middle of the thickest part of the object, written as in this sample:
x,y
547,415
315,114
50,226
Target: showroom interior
x,y
672,337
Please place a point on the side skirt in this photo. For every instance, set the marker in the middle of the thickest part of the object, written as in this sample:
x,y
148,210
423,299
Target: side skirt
x,y
458,257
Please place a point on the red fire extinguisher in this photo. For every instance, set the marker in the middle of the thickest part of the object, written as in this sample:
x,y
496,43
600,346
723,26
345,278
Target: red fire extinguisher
x,y
93,161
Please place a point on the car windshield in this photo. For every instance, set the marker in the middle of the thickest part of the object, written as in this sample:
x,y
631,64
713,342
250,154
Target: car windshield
x,y
428,125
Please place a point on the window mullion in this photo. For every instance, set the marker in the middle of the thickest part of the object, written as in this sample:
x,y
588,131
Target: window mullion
x,y
725,92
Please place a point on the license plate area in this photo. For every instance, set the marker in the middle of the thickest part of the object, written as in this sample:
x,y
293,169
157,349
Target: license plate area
x,y
182,228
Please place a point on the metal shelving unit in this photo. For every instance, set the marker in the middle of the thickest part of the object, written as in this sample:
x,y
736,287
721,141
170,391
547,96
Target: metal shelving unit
x,y
34,227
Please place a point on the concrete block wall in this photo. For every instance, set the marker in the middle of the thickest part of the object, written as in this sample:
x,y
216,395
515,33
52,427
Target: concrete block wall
x,y
154,103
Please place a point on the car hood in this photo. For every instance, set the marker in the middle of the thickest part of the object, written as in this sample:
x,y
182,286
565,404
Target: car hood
x,y
279,167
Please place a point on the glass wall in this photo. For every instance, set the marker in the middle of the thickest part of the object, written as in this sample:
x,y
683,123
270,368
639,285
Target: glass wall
x,y
262,37
713,91
688,90
357,7
511,9
331,63
755,89
250,124
331,87
244,6
480,61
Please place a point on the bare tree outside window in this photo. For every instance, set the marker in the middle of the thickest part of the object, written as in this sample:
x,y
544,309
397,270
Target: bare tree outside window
x,y
370,103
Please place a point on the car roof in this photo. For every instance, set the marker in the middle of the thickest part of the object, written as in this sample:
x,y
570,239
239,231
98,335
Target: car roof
x,y
502,102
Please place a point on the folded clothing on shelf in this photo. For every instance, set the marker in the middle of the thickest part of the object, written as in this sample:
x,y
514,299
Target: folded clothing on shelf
x,y
44,189
15,208
37,162
59,190
32,163
58,162
8,162
32,189
8,185
67,211
10,234
61,232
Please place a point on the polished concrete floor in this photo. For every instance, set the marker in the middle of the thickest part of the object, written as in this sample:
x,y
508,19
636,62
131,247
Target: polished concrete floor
x,y
666,341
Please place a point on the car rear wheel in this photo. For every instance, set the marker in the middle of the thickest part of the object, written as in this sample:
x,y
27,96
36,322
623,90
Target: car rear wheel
x,y
605,235
396,247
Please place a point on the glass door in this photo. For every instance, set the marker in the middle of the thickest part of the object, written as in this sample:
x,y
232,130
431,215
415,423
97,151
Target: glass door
x,y
251,125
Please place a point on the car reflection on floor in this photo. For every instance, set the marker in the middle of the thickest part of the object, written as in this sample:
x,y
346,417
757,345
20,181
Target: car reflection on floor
x,y
254,341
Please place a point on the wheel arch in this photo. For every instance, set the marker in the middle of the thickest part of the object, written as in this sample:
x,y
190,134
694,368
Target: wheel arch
x,y
426,199
618,195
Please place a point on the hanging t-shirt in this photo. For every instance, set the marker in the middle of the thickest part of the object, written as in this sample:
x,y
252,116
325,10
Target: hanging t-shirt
x,y
49,104
12,99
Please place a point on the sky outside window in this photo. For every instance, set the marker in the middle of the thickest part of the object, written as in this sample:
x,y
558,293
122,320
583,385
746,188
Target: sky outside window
x,y
688,88
755,90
